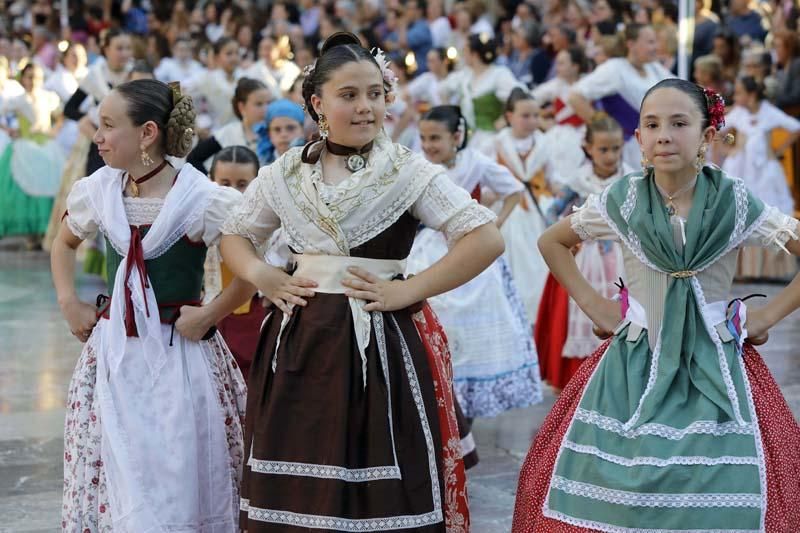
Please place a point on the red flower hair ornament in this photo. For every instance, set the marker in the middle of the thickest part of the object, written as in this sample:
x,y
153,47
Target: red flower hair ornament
x,y
716,108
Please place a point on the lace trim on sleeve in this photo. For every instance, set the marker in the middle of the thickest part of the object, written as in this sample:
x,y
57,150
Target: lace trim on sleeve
x,y
784,228
467,219
578,224
76,230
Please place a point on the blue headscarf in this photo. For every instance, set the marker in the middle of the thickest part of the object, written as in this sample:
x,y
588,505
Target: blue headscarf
x,y
279,108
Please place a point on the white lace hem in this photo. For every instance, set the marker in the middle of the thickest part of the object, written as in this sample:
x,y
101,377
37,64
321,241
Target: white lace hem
x,y
641,499
707,427
683,460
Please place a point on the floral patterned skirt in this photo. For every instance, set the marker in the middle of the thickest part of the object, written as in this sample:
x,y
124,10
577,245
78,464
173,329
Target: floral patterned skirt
x,y
86,507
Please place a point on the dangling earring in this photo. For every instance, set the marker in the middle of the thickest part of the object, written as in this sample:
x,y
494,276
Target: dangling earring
x,y
323,126
700,162
645,163
146,159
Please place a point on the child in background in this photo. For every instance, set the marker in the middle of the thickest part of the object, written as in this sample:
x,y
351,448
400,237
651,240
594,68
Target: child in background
x,y
249,104
494,360
282,129
564,336
753,119
234,166
517,148
562,140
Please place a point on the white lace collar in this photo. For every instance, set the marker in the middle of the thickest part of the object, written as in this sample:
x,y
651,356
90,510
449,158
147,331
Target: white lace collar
x,y
331,219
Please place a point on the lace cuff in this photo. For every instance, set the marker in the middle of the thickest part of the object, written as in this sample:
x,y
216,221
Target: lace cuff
x,y
588,223
578,224
80,220
776,231
77,230
467,219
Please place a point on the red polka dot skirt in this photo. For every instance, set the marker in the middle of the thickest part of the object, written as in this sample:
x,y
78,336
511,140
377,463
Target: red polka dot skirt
x,y
780,434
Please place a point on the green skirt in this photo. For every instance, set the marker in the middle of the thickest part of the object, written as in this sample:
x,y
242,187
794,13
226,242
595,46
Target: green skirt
x,y
20,214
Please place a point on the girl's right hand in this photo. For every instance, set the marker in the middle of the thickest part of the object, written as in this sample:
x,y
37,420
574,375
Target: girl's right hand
x,y
606,315
282,289
81,318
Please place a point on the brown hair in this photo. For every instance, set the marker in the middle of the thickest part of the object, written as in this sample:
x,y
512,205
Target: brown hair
x,y
601,123
173,112
712,65
244,88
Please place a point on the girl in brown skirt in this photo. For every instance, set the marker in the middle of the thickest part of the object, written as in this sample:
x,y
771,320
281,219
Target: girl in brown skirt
x,y
342,417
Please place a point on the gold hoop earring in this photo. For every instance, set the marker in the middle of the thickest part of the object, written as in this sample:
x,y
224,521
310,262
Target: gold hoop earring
x,y
323,126
146,159
700,161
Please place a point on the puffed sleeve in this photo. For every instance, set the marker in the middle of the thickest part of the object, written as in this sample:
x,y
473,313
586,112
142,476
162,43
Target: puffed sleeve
x,y
79,216
207,228
587,222
499,179
779,119
603,81
253,218
775,231
446,207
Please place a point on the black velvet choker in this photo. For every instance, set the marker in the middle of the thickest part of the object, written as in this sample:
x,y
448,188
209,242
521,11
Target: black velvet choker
x,y
354,157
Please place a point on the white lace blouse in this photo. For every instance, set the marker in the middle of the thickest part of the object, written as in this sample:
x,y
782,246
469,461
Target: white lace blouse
x,y
649,287
143,211
442,205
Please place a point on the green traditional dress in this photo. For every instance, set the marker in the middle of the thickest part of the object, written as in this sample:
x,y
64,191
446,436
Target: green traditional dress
x,y
482,100
661,431
30,167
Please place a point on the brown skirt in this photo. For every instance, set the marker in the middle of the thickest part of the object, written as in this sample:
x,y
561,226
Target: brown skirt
x,y
324,451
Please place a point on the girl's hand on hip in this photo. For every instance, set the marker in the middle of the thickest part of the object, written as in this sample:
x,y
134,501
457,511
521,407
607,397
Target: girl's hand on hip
x,y
757,326
283,290
81,318
382,295
193,323
606,315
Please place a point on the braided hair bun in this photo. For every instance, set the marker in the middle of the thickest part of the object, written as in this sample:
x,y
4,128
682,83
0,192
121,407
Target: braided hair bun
x,y
172,112
180,126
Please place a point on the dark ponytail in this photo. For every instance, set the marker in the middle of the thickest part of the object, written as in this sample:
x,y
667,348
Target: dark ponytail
x,y
453,120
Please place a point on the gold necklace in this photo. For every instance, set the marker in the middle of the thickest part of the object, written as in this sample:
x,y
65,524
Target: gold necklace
x,y
670,204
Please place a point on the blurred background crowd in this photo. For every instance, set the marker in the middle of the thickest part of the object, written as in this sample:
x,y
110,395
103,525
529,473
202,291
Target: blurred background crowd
x,y
57,60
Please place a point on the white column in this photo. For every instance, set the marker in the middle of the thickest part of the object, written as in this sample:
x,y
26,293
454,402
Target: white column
x,y
685,36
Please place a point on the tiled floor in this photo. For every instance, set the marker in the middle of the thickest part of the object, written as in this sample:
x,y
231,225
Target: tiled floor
x,y
37,356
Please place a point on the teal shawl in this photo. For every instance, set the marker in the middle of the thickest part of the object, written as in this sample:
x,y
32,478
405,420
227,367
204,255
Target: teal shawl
x,y
667,439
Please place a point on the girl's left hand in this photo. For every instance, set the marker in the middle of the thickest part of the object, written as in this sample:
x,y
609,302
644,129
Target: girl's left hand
x,y
383,295
757,326
193,323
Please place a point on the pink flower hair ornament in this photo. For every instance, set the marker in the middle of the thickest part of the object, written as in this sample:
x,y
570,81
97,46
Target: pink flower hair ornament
x,y
390,79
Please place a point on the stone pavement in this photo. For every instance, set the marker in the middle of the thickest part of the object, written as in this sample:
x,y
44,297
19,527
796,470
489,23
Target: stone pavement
x,y
37,357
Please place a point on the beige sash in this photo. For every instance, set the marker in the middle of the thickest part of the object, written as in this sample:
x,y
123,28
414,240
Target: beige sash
x,y
329,271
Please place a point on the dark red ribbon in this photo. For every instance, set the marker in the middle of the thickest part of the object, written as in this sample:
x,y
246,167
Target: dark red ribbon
x,y
135,259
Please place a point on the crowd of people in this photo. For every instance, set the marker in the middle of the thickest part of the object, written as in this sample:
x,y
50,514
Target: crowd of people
x,y
297,243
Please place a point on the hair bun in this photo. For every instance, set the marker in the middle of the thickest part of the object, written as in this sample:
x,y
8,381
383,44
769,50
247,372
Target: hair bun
x,y
180,126
340,38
